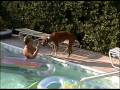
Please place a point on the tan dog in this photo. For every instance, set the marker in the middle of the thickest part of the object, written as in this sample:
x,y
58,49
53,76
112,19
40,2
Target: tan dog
x,y
58,37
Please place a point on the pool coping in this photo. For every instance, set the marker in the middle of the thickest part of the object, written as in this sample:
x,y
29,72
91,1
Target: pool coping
x,y
65,62
98,62
79,65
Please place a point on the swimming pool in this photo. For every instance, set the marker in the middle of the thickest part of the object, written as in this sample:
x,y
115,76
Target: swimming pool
x,y
16,77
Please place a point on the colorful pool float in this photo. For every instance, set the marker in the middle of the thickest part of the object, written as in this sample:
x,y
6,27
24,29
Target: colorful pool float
x,y
46,82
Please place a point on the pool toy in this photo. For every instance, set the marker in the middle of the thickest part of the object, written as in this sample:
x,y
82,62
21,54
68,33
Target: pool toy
x,y
7,33
44,84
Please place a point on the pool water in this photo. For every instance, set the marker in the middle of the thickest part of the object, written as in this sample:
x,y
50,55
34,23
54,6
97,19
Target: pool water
x,y
54,86
16,77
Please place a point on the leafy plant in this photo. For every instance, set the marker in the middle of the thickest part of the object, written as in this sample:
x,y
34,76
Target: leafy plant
x,y
98,19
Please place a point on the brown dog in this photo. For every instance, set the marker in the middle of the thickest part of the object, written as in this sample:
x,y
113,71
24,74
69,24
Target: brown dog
x,y
58,37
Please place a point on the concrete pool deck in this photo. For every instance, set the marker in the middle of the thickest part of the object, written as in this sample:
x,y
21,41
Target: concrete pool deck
x,y
90,59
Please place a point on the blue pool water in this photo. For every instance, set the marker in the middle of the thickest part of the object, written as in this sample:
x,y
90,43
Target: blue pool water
x,y
16,77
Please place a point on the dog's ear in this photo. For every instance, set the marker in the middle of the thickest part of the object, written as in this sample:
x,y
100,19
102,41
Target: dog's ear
x,y
44,41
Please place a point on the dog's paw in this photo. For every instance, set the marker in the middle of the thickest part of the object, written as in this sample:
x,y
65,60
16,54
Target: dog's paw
x,y
68,55
51,53
55,54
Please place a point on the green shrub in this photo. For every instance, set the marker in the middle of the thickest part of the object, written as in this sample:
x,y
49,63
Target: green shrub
x,y
98,19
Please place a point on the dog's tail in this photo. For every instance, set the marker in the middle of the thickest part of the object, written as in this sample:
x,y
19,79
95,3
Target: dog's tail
x,y
79,37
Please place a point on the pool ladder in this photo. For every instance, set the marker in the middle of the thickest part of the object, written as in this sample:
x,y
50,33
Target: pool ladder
x,y
100,76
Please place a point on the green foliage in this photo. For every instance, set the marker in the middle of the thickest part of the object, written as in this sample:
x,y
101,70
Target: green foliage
x,y
33,86
98,19
2,23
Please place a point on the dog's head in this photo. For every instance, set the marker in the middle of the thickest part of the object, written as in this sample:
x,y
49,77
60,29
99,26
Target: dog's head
x,y
45,41
80,36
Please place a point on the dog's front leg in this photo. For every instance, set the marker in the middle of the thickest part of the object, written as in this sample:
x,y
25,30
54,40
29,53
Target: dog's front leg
x,y
56,48
65,49
53,48
69,49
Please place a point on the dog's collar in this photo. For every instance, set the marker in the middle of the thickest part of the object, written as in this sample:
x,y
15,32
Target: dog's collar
x,y
48,37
